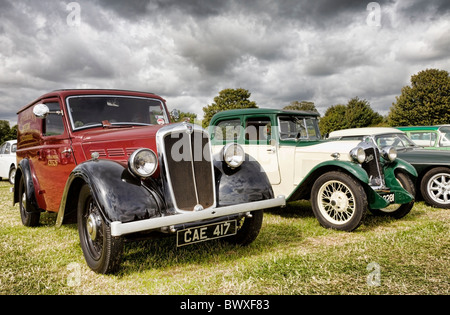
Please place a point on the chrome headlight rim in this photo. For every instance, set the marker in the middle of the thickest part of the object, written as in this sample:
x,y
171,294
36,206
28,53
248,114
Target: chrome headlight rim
x,y
389,153
358,154
143,163
233,155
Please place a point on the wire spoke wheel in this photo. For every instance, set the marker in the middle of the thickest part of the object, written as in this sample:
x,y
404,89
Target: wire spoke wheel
x,y
337,202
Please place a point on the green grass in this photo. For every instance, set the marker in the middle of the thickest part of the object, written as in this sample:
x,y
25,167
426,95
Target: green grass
x,y
292,255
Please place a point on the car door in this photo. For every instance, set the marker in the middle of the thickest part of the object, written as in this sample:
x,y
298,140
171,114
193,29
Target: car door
x,y
53,161
259,144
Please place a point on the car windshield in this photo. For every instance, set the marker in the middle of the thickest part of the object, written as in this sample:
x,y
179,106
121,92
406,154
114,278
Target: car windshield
x,y
303,128
397,140
113,110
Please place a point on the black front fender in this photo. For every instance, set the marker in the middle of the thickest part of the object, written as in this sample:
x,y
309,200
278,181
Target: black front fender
x,y
119,195
244,184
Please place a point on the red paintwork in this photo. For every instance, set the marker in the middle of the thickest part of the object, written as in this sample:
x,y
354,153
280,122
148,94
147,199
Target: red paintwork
x,y
51,167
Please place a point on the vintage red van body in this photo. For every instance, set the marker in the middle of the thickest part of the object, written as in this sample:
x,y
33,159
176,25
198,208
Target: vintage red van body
x,y
112,161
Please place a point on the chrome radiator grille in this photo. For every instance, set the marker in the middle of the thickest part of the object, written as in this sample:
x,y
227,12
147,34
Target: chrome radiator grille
x,y
373,167
188,168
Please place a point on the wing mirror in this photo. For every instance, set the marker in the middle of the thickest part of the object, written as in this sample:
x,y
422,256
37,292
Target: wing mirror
x,y
41,111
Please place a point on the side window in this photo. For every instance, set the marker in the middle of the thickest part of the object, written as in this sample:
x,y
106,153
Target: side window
x,y
427,139
258,129
228,130
2,148
445,138
7,148
53,123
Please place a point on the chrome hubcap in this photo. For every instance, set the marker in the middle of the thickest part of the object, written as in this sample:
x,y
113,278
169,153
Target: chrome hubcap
x,y
439,188
92,226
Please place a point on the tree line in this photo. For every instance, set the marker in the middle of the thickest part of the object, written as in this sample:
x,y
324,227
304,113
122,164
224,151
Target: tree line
x,y
425,102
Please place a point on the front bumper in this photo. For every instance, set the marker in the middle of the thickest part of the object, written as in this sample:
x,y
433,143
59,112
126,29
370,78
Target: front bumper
x,y
118,228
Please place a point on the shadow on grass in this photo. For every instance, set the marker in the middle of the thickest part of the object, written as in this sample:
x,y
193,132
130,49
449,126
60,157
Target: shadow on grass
x,y
283,228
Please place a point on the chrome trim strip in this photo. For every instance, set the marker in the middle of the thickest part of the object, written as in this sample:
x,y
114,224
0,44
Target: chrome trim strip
x,y
118,228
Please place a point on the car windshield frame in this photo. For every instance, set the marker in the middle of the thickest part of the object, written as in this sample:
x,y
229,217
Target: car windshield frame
x,y
92,111
397,140
303,128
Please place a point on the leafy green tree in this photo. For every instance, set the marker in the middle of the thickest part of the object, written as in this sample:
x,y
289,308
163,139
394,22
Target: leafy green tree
x,y
227,99
356,114
303,105
359,114
7,133
333,119
425,102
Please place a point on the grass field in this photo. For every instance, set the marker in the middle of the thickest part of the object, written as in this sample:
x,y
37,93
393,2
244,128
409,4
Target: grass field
x,y
292,255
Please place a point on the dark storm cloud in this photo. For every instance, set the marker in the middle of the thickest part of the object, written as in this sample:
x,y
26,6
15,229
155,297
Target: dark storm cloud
x,y
187,51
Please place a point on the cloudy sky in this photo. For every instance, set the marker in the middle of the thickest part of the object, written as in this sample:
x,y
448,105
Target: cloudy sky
x,y
325,51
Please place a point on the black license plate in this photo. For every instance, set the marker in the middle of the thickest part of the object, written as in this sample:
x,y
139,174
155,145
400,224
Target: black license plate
x,y
206,232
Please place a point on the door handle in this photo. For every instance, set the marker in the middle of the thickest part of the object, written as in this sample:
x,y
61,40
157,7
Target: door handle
x,y
67,151
272,150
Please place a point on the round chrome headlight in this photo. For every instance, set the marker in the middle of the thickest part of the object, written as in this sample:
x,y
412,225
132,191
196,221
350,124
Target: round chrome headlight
x,y
143,162
358,155
233,155
389,153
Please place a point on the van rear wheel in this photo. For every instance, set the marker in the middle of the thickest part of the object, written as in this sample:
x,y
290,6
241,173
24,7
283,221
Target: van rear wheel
x,y
29,219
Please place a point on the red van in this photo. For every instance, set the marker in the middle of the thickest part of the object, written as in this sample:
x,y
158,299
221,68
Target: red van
x,y
112,162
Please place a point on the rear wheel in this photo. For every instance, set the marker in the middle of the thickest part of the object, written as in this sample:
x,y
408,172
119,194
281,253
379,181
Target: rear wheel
x,y
30,219
338,201
103,253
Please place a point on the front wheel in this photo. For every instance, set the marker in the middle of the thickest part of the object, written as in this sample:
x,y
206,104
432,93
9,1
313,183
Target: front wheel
x,y
103,253
248,229
435,187
399,210
338,201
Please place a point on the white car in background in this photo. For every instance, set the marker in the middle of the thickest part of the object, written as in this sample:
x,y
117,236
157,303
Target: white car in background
x,y
8,160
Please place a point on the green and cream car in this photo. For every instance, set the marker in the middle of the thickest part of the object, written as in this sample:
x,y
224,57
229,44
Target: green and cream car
x,y
343,179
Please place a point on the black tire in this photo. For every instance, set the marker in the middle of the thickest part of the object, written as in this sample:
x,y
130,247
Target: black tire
x,y
398,211
30,219
102,252
248,229
339,201
435,187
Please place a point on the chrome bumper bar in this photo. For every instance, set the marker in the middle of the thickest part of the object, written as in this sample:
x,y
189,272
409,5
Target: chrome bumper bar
x,y
118,228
